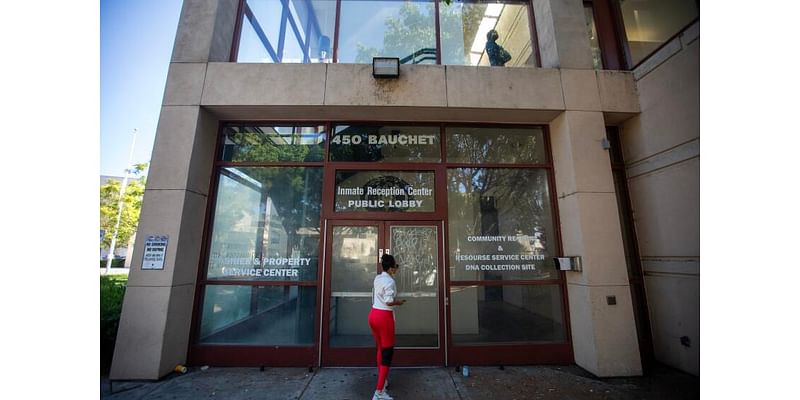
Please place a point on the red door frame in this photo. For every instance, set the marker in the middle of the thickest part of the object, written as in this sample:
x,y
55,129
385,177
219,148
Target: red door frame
x,y
365,356
488,354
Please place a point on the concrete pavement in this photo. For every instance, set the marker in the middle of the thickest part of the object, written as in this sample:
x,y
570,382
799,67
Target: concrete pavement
x,y
516,382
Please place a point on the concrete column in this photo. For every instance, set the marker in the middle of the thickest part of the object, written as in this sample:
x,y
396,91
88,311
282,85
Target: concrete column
x,y
154,327
561,30
205,32
603,335
156,313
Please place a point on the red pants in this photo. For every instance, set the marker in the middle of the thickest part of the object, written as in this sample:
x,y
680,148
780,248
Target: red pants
x,y
382,324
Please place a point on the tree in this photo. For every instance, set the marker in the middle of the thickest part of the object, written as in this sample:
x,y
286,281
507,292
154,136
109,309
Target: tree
x,y
131,206
414,29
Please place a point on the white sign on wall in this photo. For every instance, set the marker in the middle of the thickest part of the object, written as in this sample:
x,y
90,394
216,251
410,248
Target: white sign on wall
x,y
155,251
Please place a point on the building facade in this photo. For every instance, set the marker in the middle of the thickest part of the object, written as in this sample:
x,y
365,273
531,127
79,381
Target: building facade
x,y
515,133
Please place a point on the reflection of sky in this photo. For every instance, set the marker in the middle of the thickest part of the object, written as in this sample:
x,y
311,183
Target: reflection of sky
x,y
364,22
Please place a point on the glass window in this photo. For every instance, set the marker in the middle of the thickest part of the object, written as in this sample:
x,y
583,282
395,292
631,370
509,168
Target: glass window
x,y
266,224
650,23
486,33
273,143
416,249
385,143
500,224
591,31
495,145
388,28
508,313
392,191
353,268
308,27
258,315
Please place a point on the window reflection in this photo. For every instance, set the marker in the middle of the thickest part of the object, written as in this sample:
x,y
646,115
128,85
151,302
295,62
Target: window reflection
x,y
287,31
495,145
385,143
466,31
508,313
500,224
273,143
650,23
385,191
591,31
266,224
253,315
387,28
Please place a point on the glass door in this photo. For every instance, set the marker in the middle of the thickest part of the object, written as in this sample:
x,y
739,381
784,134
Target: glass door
x,y
352,259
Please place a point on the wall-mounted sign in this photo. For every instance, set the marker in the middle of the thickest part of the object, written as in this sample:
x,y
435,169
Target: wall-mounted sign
x,y
501,253
401,139
155,251
392,191
368,143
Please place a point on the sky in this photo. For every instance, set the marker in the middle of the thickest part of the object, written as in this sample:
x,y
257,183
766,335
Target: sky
x,y
136,39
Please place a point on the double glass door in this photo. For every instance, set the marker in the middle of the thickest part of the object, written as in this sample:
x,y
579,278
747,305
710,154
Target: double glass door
x,y
352,260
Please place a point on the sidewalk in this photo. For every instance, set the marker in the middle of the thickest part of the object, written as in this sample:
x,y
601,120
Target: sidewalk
x,y
516,382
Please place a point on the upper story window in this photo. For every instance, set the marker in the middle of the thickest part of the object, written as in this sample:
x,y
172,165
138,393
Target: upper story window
x,y
651,23
468,32
286,31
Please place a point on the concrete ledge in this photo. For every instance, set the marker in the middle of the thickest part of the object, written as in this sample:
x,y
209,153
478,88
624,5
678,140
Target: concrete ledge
x,y
418,85
383,113
264,84
617,92
494,87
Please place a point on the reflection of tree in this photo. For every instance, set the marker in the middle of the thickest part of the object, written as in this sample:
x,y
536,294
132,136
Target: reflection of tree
x,y
363,151
518,197
294,192
497,147
255,143
415,29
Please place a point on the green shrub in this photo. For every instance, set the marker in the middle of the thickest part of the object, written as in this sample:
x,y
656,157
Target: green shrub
x,y
112,290
115,263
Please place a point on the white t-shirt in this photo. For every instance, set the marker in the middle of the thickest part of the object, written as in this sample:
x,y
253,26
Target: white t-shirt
x,y
383,291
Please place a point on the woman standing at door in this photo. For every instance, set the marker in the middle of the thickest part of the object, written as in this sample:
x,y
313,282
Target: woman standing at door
x,y
381,321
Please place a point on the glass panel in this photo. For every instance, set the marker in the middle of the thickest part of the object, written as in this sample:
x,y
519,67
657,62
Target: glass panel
x,y
261,31
495,145
486,33
518,313
388,28
500,224
251,48
266,224
273,143
354,264
650,23
416,249
258,315
393,191
591,30
385,143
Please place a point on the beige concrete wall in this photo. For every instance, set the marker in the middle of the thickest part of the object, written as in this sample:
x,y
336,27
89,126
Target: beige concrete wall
x,y
603,335
561,30
662,156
